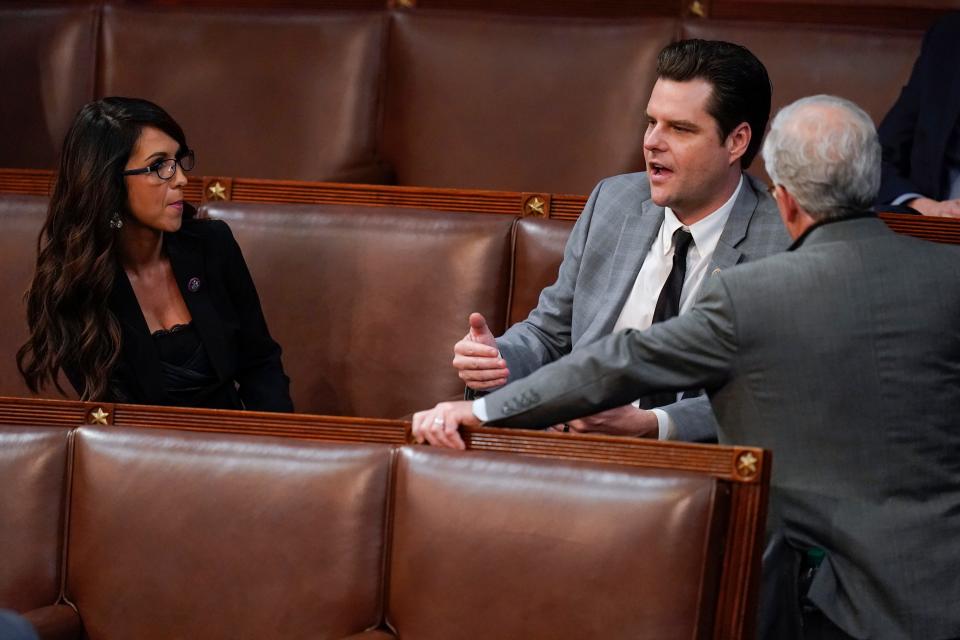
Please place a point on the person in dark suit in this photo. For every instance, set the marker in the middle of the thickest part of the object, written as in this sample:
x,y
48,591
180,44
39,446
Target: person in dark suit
x,y
842,356
133,298
920,135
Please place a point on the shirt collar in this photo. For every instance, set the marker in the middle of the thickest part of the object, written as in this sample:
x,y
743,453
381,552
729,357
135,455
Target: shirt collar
x,y
706,231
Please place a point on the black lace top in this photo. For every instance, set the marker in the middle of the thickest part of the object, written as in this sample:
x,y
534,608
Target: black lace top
x,y
188,375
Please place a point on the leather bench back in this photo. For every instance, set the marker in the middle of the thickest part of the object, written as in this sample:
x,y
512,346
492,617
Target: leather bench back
x,y
281,94
33,481
47,68
532,541
22,218
425,97
191,535
537,254
525,104
367,302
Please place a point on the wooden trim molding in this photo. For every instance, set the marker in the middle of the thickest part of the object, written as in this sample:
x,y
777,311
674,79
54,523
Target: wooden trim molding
x,y
556,206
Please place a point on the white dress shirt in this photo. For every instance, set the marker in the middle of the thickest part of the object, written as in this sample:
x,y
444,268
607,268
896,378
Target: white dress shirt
x,y
637,312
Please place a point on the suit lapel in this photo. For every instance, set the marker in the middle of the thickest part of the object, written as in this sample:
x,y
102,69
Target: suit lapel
x,y
187,261
726,254
637,234
138,346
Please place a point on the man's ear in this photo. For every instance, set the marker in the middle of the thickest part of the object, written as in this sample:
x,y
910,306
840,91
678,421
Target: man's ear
x,y
794,218
738,140
789,210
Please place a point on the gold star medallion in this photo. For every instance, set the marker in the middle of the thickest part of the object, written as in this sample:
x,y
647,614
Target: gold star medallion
x,y
99,416
747,464
536,205
216,191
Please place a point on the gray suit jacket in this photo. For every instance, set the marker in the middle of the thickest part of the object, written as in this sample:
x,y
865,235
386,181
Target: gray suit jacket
x,y
843,358
600,264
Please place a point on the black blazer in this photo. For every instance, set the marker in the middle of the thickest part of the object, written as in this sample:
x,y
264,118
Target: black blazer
x,y
219,292
915,132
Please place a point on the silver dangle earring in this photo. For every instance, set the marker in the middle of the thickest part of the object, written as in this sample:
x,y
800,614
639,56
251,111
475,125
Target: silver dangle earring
x,y
116,222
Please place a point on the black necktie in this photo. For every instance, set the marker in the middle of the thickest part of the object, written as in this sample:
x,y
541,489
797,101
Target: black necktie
x,y
668,304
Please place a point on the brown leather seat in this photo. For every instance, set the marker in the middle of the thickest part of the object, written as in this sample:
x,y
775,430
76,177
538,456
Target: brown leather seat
x,y
367,302
526,104
189,535
221,534
47,68
537,254
550,551
22,218
264,94
33,481
425,97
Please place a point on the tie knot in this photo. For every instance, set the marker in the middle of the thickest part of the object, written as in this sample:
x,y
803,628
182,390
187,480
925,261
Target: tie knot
x,y
681,242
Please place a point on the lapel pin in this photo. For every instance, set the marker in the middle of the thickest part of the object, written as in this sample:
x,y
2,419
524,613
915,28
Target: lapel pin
x,y
715,271
193,284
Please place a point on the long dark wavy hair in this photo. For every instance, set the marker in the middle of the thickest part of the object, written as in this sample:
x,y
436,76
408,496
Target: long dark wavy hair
x,y
71,326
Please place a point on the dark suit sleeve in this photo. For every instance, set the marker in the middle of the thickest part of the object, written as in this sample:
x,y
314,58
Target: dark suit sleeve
x,y
262,383
901,127
694,350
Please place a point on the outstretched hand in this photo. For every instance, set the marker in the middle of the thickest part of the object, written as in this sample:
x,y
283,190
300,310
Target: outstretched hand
x,y
627,420
928,207
440,426
477,359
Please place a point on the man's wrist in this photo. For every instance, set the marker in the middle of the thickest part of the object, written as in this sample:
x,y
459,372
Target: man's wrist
x,y
665,425
907,199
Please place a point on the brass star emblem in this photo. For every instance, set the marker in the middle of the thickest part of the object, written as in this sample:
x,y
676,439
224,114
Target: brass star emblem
x,y
536,204
747,464
216,191
99,416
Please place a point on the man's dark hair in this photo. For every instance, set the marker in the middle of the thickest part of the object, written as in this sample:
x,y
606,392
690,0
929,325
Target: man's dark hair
x,y
741,87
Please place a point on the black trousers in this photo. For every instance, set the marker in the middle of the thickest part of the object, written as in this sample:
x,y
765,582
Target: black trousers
x,y
785,613
817,626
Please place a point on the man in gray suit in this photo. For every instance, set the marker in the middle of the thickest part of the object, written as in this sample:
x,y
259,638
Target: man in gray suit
x,y
705,121
842,356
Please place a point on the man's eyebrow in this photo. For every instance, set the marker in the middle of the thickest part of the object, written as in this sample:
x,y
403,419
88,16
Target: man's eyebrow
x,y
684,123
687,124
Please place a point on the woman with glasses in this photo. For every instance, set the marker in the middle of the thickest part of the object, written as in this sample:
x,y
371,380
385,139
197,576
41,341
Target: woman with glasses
x,y
133,298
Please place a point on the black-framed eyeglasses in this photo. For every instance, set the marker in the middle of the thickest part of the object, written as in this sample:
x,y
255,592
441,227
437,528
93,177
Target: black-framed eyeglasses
x,y
166,169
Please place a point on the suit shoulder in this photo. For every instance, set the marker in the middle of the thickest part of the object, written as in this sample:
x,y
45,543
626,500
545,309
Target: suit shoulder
x,y
619,195
766,205
946,30
933,254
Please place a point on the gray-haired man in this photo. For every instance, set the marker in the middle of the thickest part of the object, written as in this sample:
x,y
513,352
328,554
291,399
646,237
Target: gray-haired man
x,y
842,356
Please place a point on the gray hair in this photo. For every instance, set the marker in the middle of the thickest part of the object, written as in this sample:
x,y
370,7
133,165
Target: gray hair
x,y
825,151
